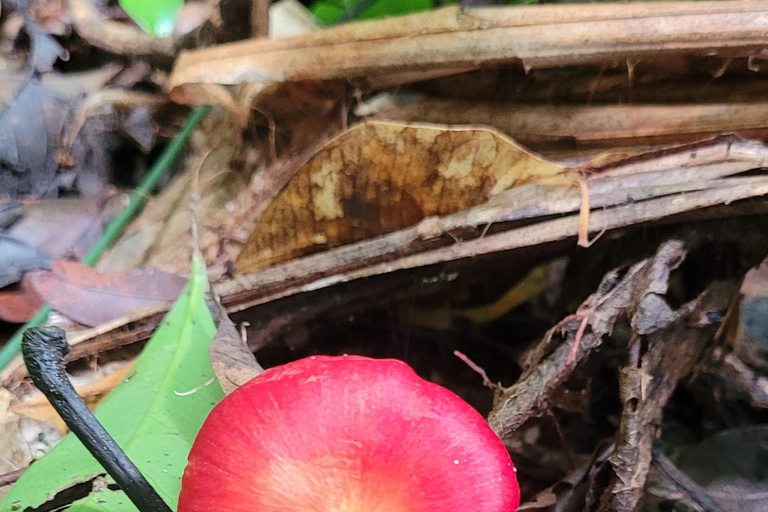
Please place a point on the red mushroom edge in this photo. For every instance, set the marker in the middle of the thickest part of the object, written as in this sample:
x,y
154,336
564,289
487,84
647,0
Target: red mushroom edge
x,y
347,434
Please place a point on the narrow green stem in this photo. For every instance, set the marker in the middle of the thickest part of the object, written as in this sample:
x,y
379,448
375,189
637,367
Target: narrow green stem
x,y
138,198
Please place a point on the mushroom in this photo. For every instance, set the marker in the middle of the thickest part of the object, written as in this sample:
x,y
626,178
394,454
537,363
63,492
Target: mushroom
x,y
346,434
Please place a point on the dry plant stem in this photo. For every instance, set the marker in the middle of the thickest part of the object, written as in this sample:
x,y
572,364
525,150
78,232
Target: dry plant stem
x,y
369,258
684,483
9,478
122,38
736,374
44,349
454,39
260,18
595,124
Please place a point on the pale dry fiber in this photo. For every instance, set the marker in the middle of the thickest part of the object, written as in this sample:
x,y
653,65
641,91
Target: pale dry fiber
x,y
38,408
449,40
603,125
378,177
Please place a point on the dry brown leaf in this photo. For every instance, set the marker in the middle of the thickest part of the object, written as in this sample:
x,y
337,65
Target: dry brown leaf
x,y
39,408
380,177
20,302
233,364
91,297
63,227
453,39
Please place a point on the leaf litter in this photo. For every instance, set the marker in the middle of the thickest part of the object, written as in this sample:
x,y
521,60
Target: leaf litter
x,y
172,362
329,231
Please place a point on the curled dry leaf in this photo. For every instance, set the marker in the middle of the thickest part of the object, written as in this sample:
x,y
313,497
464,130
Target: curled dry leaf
x,y
233,364
91,297
379,177
667,353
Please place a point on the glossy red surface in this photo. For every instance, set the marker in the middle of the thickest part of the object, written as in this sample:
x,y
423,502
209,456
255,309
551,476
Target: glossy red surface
x,y
347,434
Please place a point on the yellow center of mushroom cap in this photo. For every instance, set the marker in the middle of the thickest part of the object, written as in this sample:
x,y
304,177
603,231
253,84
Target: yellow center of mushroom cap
x,y
329,485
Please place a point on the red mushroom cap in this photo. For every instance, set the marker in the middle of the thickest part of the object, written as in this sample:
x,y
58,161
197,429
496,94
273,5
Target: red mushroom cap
x,y
346,434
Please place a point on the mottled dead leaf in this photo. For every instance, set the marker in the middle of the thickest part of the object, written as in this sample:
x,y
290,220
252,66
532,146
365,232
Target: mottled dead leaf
x,y
380,177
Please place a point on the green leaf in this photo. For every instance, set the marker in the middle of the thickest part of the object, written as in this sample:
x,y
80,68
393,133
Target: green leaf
x,y
154,414
157,17
330,12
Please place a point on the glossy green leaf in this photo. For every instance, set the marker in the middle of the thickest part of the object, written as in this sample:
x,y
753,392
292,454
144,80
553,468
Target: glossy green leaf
x,y
158,17
330,12
154,414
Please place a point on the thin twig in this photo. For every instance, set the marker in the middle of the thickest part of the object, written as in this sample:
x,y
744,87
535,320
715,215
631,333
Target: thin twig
x,y
9,478
260,18
685,483
44,349
478,369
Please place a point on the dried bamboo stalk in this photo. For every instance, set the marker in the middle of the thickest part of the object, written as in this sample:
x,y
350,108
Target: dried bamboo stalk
x,y
597,125
458,39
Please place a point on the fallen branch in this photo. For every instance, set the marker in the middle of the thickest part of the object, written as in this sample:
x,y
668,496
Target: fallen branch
x,y
530,395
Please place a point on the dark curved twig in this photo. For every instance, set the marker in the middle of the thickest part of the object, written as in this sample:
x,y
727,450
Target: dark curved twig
x,y
44,349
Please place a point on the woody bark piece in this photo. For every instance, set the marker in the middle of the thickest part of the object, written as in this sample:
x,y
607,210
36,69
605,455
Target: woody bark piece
x,y
647,384
614,298
454,39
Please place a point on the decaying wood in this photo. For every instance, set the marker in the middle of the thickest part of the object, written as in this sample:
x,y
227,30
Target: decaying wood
x,y
454,39
614,298
675,341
